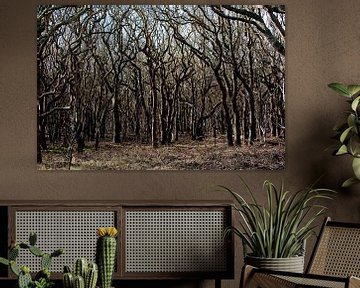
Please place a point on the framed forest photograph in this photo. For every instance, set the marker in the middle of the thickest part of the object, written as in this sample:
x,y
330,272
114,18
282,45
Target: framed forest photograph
x,y
160,87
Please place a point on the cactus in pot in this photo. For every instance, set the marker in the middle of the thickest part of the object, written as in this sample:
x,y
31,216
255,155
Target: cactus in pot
x,y
67,278
85,275
24,279
81,267
106,254
42,278
91,276
79,282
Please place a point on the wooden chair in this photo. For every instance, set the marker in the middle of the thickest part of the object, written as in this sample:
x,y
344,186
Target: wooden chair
x,y
335,262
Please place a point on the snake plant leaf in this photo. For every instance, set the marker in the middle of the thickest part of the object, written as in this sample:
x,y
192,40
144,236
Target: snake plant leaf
x,y
349,182
356,167
355,103
342,150
279,227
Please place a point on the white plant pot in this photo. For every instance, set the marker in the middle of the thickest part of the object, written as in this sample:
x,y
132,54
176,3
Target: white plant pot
x,y
291,264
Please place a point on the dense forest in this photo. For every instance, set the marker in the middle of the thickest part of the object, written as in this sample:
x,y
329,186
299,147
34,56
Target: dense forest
x,y
157,76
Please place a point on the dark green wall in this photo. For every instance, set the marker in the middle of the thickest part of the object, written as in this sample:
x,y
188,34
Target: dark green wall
x,y
322,46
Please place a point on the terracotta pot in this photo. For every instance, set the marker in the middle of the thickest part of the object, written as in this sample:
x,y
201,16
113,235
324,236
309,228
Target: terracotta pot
x,y
291,264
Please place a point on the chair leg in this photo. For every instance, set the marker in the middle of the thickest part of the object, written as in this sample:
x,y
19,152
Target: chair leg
x,y
217,283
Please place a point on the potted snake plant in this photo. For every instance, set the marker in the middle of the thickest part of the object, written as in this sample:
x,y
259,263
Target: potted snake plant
x,y
348,132
274,234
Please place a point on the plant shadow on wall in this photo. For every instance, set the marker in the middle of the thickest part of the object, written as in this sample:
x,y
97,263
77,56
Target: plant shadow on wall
x,y
161,87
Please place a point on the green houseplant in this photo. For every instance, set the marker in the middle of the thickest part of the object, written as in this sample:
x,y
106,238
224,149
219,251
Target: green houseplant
x,y
106,254
84,274
279,229
42,278
348,132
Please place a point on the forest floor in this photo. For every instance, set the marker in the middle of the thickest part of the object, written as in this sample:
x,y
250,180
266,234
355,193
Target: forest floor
x,y
211,154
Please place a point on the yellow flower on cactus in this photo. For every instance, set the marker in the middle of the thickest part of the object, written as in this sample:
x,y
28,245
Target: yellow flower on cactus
x,y
112,231
106,231
101,231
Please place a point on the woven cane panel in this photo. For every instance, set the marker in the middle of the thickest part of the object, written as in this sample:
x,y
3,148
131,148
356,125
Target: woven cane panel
x,y
268,280
175,241
74,231
339,252
312,282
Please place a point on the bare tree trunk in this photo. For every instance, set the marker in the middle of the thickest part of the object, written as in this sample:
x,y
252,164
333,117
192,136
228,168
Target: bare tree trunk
x,y
237,120
116,120
224,93
154,116
253,134
38,154
164,118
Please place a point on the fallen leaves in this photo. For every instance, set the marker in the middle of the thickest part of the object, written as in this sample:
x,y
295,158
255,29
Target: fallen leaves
x,y
186,155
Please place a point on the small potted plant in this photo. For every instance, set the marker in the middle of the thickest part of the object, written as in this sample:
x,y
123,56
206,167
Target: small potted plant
x,y
87,274
348,132
274,234
106,254
42,278
84,274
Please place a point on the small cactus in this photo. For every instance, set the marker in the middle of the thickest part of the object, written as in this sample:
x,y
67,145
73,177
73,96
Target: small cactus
x,y
23,273
32,239
79,282
45,261
83,274
57,252
24,280
91,276
106,254
36,251
14,268
13,253
67,269
68,280
81,266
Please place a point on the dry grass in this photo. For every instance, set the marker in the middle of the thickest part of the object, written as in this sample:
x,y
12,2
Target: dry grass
x,y
185,155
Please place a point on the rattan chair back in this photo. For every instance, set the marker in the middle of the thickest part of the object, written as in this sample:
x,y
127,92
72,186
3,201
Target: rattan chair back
x,y
337,252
